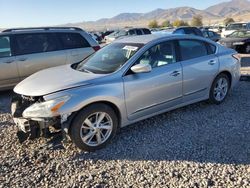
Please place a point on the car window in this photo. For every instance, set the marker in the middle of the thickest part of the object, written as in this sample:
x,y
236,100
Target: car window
x,y
190,49
110,58
131,32
73,40
146,31
205,34
198,32
35,43
5,50
190,31
236,26
179,31
139,32
159,55
211,34
211,48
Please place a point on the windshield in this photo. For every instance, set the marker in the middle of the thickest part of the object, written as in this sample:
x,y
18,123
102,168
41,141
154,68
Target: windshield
x,y
118,33
240,34
236,26
109,59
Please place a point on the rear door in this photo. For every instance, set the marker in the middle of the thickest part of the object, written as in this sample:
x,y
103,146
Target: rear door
x,y
77,47
200,65
37,51
8,68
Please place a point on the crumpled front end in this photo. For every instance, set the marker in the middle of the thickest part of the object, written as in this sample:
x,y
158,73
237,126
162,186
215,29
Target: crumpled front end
x,y
32,127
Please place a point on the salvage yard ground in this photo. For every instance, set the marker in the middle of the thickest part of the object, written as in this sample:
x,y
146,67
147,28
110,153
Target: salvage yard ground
x,y
201,145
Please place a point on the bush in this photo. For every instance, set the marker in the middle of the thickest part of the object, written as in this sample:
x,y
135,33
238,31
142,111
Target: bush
x,y
166,24
153,24
197,21
228,21
178,23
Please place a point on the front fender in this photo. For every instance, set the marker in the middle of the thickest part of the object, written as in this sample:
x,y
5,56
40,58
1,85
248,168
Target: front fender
x,y
83,96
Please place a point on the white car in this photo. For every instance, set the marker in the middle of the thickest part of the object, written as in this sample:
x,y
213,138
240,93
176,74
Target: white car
x,y
25,51
234,27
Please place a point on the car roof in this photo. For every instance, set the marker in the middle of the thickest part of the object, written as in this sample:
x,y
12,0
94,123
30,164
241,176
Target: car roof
x,y
144,39
40,30
187,27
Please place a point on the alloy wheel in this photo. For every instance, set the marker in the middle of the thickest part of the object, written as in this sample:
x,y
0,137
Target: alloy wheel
x,y
96,128
221,89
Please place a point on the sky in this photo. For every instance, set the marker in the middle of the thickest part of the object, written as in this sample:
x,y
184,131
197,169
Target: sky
x,y
28,13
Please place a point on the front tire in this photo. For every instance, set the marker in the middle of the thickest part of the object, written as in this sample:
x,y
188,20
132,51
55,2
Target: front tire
x,y
94,127
219,89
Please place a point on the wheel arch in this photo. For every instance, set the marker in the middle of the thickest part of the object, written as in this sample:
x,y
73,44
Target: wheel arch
x,y
108,103
228,74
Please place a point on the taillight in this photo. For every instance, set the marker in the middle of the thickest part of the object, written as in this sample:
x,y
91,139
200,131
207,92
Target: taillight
x,y
96,48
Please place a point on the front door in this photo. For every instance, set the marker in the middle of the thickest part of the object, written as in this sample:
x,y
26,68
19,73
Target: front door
x,y
148,93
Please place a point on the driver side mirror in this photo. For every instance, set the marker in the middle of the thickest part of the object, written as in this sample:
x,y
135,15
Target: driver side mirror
x,y
141,68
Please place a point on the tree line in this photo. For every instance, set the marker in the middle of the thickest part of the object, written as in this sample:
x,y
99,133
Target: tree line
x,y
196,22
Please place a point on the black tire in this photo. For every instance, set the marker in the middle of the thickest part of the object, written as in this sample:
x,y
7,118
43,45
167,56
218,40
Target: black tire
x,y
75,128
212,97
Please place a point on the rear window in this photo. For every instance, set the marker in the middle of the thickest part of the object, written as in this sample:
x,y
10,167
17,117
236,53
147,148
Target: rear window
x,y
179,31
35,43
211,48
191,49
73,40
5,50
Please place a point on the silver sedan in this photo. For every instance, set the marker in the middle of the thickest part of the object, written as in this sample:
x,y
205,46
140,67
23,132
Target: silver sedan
x,y
127,81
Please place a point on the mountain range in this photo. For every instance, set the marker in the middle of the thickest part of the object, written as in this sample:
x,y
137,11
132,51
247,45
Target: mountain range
x,y
239,10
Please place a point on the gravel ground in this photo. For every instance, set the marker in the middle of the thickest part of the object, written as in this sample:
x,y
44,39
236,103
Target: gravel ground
x,y
201,145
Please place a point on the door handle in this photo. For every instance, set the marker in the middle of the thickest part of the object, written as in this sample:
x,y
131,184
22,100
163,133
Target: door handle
x,y
8,62
175,73
23,59
211,62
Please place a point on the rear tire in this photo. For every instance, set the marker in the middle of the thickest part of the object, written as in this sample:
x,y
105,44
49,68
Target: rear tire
x,y
219,89
94,127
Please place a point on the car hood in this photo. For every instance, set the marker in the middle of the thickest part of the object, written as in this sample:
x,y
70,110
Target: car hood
x,y
229,39
54,79
228,32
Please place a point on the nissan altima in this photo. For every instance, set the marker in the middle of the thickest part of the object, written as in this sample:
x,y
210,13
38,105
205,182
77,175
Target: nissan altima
x,y
127,81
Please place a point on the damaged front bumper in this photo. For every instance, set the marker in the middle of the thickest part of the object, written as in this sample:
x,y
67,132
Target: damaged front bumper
x,y
31,128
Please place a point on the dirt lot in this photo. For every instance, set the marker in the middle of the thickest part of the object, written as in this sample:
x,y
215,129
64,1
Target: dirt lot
x,y
201,145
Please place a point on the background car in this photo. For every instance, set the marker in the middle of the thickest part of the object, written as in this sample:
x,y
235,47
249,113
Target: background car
x,y
27,50
126,32
131,79
216,28
211,35
238,40
234,27
188,30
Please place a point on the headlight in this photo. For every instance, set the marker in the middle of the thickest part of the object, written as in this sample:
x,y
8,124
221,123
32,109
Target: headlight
x,y
45,109
238,43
